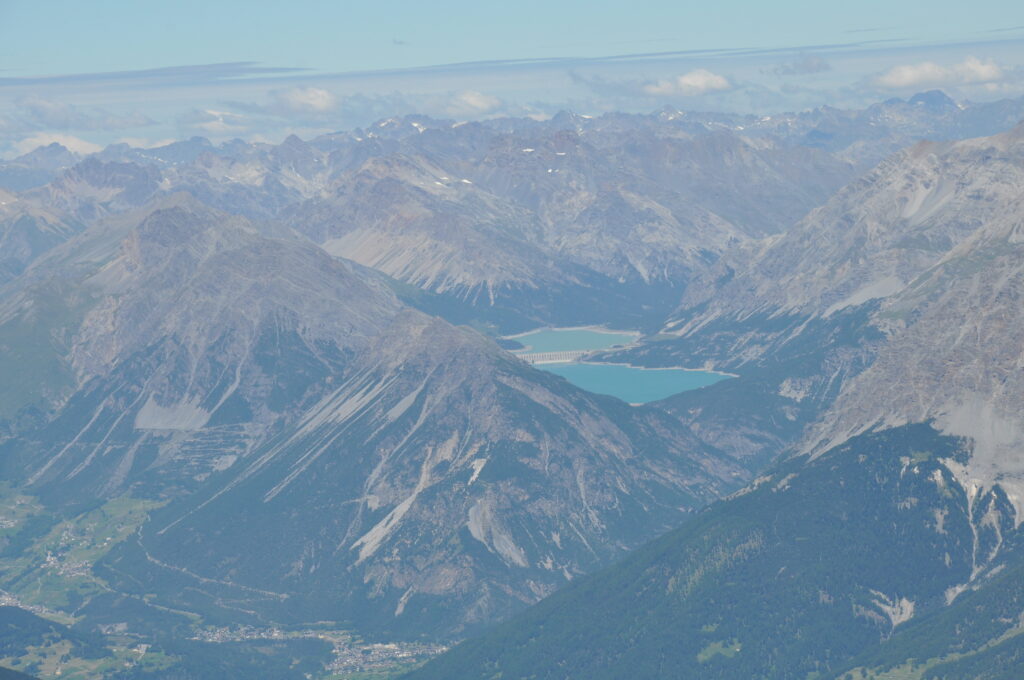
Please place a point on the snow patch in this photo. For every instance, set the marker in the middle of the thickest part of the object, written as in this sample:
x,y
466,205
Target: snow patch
x,y
484,527
996,443
890,285
403,405
186,416
790,390
898,610
477,466
371,541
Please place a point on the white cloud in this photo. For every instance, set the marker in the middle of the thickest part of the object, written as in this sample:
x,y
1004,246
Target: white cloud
x,y
145,143
214,122
46,138
472,103
808,64
304,100
696,82
47,113
929,74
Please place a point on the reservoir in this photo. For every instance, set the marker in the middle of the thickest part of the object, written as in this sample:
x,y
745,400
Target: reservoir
x,y
571,339
631,384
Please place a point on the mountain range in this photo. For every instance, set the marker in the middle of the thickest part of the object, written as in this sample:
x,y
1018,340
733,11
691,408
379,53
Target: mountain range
x,y
254,388
885,543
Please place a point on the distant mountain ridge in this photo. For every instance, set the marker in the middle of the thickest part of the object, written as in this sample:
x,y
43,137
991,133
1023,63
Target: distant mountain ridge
x,y
495,214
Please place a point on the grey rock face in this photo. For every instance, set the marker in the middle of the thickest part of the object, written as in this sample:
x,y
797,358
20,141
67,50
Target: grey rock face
x,y
873,237
927,245
36,168
194,333
27,230
439,485
489,214
167,322
893,303
414,477
923,258
526,210
954,357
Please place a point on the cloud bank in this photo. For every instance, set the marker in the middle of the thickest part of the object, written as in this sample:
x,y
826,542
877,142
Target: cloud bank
x,y
248,100
69,142
803,66
696,82
971,71
308,100
38,113
473,103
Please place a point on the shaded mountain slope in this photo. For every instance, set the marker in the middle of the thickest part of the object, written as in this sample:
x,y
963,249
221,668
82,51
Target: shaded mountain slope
x,y
873,237
804,314
414,478
440,485
27,230
176,313
795,576
892,527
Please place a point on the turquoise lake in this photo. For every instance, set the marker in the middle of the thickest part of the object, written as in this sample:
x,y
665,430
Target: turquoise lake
x,y
568,339
631,384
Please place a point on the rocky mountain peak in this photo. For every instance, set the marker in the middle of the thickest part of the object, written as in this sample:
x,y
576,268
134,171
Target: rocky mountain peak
x,y
52,157
935,100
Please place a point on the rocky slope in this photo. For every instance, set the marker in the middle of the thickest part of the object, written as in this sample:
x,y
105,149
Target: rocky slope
x,y
517,214
36,168
294,443
490,218
870,558
27,230
954,357
801,314
437,486
818,563
891,526
872,238
414,478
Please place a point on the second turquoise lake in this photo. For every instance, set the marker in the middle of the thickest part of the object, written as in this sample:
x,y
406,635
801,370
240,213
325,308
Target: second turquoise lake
x,y
631,384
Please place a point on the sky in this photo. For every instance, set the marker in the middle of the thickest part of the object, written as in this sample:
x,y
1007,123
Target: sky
x,y
147,71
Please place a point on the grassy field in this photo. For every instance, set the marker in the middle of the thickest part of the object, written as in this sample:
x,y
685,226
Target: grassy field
x,y
54,570
56,659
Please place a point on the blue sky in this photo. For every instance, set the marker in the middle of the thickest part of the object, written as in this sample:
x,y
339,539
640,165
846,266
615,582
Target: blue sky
x,y
145,71
66,36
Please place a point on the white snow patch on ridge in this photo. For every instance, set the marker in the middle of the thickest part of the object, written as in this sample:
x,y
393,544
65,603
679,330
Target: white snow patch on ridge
x,y
371,541
996,442
186,416
890,285
899,610
477,466
485,527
